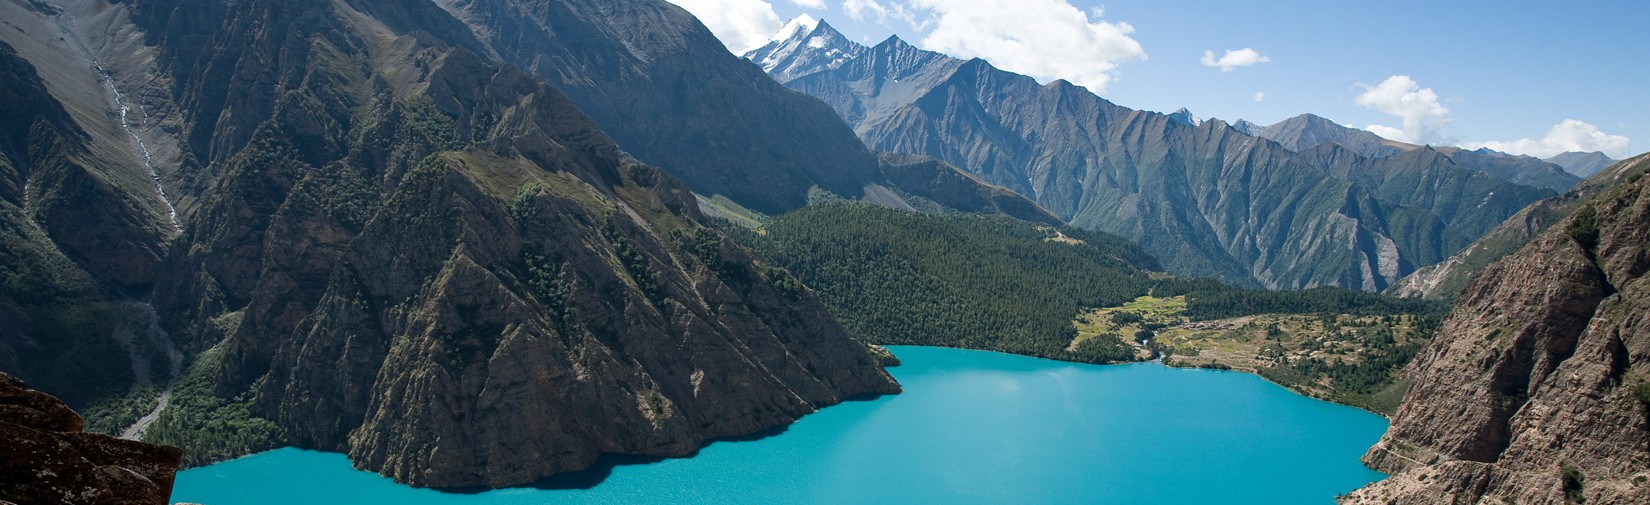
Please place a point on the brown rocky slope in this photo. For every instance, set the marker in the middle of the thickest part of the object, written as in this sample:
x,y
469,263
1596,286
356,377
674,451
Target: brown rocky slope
x,y
1536,388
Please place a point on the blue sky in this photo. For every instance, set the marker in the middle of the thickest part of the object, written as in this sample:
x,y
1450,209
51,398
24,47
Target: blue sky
x,y
1479,72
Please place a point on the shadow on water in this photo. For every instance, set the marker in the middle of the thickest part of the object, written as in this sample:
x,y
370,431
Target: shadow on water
x,y
604,465
603,468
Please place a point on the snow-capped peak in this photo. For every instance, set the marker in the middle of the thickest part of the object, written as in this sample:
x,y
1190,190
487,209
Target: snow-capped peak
x,y
796,27
804,46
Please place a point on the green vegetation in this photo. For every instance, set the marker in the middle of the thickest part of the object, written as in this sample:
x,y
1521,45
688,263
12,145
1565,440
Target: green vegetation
x,y
521,207
1584,229
553,283
1642,393
720,207
1343,357
704,244
112,415
209,427
958,280
63,313
1214,302
1129,323
1574,483
635,263
997,283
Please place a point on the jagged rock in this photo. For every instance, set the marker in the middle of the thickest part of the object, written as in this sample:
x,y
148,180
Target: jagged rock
x,y
1536,388
45,459
803,46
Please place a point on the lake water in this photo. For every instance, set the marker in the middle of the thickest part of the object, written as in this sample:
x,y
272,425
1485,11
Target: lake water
x,y
972,427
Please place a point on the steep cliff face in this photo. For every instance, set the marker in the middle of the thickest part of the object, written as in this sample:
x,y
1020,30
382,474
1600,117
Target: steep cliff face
x,y
46,459
400,247
1536,388
1206,199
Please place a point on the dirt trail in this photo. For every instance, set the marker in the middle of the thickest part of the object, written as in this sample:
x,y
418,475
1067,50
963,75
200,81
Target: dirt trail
x,y
158,339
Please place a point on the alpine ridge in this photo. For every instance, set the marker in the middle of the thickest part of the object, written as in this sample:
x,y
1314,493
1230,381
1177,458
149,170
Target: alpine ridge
x,y
1204,198
804,46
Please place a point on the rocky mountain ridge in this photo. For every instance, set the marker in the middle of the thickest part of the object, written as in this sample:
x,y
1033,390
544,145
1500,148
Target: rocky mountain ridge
x,y
803,46
1206,199
1307,131
398,246
1536,388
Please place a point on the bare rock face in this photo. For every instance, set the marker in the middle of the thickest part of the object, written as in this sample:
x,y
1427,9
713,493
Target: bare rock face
x,y
445,269
1537,387
46,459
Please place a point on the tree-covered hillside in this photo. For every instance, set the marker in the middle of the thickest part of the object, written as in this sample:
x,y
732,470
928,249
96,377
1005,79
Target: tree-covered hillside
x,y
960,280
982,282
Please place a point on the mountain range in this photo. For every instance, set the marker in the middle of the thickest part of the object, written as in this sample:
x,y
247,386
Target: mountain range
x,y
1203,197
482,242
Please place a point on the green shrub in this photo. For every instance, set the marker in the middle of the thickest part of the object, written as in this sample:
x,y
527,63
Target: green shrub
x,y
1584,228
1574,482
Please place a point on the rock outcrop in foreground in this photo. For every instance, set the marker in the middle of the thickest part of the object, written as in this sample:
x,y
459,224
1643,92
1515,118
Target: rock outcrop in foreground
x,y
1537,387
46,459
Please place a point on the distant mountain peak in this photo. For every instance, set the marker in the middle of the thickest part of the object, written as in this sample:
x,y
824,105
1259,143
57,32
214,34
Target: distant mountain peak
x,y
894,41
1306,131
1247,128
798,26
804,46
1582,164
1185,117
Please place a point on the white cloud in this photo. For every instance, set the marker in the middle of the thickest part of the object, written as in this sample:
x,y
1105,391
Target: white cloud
x,y
810,4
860,10
742,25
1233,60
1418,107
1260,96
1046,39
1568,135
857,9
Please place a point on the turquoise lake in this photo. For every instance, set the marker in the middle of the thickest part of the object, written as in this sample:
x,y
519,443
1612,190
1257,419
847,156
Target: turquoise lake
x,y
971,427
